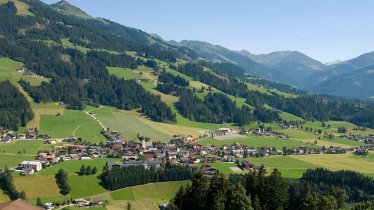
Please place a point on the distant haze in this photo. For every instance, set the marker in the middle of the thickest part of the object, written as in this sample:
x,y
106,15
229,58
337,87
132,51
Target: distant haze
x,y
325,30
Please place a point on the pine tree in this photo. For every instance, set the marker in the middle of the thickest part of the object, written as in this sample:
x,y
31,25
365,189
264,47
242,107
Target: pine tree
x,y
276,192
82,170
237,198
94,170
88,170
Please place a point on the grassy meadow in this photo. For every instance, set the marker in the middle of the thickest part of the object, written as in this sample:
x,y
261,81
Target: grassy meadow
x,y
295,165
146,197
288,166
131,123
12,160
25,147
71,123
8,71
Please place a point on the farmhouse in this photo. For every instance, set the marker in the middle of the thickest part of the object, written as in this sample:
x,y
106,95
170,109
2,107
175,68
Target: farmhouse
x,y
6,139
36,165
31,134
246,165
28,171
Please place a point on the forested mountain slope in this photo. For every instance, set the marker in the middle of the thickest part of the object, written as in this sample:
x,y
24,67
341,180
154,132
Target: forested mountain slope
x,y
76,53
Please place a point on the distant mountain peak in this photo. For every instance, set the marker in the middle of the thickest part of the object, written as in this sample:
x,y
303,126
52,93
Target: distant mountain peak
x,y
66,8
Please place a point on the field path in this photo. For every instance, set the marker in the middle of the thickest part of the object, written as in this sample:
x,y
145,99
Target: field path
x,y
75,130
14,154
94,117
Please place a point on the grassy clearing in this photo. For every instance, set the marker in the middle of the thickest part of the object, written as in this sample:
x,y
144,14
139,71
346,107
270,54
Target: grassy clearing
x,y
349,126
8,71
288,117
12,160
123,194
339,162
30,147
124,73
311,137
35,123
288,166
254,141
81,186
37,186
131,123
67,44
84,186
146,197
137,205
160,192
369,157
71,123
224,168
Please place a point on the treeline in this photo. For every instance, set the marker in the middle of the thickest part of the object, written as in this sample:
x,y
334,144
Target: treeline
x,y
357,187
86,171
15,110
228,68
215,108
222,82
117,178
211,194
275,85
317,189
7,185
165,77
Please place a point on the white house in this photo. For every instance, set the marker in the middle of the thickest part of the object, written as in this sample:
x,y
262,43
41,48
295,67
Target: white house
x,y
37,166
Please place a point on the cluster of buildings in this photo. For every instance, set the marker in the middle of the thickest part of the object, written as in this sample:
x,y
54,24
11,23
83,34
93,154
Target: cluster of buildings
x,y
7,136
113,136
27,72
227,133
268,132
369,139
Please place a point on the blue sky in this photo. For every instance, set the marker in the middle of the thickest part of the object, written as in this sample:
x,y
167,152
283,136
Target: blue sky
x,y
326,30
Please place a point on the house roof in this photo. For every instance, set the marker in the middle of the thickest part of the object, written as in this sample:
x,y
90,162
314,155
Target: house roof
x,y
18,204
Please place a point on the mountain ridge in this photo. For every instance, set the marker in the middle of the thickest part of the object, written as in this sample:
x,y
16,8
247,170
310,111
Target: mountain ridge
x,y
65,7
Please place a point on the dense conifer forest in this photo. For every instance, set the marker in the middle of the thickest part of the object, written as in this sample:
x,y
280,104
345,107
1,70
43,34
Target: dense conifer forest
x,y
317,189
15,110
117,178
81,78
